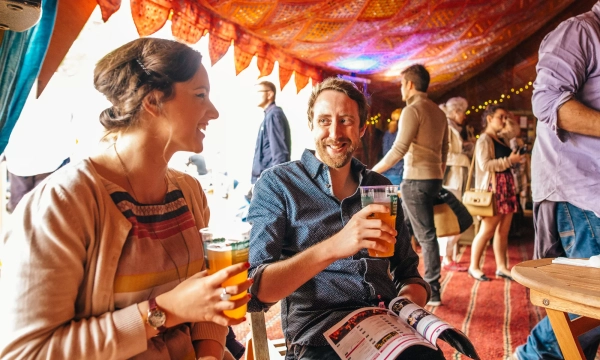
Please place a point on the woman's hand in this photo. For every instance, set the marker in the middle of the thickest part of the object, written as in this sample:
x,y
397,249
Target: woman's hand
x,y
514,157
198,298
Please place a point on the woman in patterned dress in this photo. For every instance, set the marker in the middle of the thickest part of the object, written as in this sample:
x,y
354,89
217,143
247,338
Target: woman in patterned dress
x,y
494,158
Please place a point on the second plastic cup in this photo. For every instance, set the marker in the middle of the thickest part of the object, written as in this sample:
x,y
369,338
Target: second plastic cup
x,y
223,248
384,195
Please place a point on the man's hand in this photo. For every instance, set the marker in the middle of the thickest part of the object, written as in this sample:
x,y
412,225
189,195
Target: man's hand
x,y
361,232
281,278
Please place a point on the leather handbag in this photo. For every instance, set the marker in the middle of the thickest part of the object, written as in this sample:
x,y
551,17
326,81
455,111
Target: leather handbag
x,y
446,222
479,202
450,216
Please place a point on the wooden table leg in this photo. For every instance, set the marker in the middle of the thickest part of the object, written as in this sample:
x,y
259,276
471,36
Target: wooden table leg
x,y
569,345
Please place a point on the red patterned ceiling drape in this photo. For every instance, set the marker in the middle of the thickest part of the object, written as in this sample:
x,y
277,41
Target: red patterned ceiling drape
x,y
454,39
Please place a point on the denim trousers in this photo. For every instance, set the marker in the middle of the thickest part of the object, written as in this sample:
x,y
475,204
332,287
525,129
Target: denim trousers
x,y
578,230
417,200
416,352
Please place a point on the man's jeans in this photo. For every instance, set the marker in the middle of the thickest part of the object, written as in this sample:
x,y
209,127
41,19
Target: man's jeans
x,y
579,232
417,199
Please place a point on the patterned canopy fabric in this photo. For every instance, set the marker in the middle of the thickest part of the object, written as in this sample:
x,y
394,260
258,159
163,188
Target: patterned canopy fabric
x,y
454,39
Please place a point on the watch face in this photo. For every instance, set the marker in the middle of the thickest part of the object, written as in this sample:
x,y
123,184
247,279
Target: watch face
x,y
157,318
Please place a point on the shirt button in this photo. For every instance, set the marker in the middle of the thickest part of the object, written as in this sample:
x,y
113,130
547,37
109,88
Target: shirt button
x,y
328,185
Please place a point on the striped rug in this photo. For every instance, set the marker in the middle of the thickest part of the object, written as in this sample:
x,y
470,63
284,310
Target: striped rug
x,y
496,315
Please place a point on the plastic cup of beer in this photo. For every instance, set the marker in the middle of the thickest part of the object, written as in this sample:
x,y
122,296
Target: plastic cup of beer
x,y
383,195
224,247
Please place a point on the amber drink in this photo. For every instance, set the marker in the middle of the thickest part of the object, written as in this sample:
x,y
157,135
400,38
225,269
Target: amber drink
x,y
223,248
383,195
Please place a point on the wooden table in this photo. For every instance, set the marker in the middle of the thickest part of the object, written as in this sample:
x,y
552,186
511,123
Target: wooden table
x,y
563,289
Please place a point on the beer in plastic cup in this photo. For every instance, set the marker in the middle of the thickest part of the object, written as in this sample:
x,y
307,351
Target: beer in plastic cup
x,y
223,248
384,195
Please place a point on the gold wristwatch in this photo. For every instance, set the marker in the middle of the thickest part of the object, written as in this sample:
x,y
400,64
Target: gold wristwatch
x,y
156,317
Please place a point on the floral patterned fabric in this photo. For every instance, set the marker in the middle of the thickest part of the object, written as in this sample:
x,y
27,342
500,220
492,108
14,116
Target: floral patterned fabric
x,y
506,196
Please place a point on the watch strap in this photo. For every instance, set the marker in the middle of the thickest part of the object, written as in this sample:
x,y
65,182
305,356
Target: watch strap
x,y
152,307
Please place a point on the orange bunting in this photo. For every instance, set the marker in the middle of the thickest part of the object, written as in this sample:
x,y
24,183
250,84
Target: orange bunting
x,y
217,48
190,22
300,80
241,58
265,66
284,76
108,7
148,25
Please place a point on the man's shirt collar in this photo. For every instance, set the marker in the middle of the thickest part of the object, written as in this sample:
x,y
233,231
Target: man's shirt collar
x,y
270,107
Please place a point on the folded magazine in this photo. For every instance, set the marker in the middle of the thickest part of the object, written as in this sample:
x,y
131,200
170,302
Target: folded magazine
x,y
374,333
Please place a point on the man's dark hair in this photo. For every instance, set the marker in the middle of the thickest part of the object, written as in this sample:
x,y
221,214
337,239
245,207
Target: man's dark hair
x,y
271,87
418,75
345,87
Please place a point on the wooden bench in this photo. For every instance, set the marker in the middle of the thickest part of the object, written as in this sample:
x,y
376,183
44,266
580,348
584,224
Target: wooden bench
x,y
258,346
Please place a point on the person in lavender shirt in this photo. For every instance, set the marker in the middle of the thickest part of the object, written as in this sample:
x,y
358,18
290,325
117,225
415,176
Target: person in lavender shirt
x,y
566,159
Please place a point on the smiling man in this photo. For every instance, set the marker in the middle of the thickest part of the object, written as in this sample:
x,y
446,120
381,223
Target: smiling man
x,y
309,240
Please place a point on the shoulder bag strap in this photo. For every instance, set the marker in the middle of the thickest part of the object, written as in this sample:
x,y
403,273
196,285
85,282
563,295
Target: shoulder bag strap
x,y
470,176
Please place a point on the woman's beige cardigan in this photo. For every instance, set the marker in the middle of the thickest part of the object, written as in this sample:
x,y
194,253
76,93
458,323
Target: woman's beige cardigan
x,y
487,166
59,264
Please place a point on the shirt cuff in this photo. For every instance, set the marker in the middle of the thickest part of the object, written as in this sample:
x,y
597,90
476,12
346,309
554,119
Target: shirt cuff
x,y
562,99
419,281
255,305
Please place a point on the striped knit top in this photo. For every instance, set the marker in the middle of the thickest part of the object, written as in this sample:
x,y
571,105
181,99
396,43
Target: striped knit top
x,y
163,248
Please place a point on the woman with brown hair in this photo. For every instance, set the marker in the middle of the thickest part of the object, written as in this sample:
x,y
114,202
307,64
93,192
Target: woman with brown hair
x,y
494,158
105,260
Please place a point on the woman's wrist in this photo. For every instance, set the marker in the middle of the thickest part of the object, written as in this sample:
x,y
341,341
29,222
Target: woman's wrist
x,y
143,309
164,303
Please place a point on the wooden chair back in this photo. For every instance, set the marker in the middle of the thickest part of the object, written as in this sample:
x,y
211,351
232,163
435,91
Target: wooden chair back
x,y
258,346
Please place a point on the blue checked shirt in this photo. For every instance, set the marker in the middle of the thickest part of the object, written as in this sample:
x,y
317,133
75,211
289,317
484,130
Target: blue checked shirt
x,y
292,209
